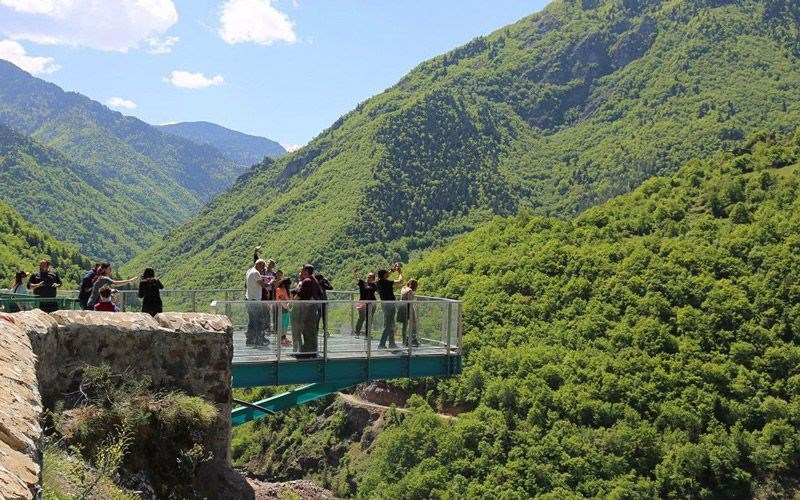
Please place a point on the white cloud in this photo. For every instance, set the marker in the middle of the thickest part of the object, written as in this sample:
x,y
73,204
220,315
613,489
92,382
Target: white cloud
x,y
114,25
119,102
187,80
161,45
292,147
49,7
254,21
14,52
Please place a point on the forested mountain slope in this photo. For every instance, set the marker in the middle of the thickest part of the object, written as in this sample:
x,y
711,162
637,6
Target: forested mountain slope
x,y
160,178
555,113
243,149
22,246
649,348
47,189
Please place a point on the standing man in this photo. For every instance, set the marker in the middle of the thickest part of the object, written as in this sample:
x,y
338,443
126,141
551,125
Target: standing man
x,y
366,292
87,283
44,284
386,292
254,285
309,290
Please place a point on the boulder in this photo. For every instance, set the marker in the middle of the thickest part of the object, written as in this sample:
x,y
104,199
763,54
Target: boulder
x,y
194,322
122,322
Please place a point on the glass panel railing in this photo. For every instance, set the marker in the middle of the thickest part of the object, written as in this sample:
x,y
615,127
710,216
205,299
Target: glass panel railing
x,y
178,300
269,330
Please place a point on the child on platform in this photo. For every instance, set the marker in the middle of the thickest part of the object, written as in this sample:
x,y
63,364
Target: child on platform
x,y
105,304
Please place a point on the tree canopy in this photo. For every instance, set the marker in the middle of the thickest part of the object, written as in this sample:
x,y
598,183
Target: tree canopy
x,y
649,347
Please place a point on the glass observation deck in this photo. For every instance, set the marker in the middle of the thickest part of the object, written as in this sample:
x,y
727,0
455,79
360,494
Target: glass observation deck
x,y
335,351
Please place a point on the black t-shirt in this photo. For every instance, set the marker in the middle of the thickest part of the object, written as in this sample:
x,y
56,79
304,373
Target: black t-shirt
x,y
149,291
386,289
366,291
49,278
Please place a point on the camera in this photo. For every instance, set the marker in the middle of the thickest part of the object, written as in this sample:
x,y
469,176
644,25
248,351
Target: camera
x,y
397,266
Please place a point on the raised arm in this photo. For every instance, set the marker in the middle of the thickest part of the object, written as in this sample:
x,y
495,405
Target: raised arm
x,y
123,282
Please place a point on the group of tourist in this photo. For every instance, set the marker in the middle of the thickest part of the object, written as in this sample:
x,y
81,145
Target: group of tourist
x,y
265,283
404,313
95,288
302,305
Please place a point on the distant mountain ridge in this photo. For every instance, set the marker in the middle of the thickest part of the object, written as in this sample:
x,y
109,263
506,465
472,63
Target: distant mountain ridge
x,y
240,148
555,113
158,178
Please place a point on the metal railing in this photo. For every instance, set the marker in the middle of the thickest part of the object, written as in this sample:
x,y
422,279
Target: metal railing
x,y
10,302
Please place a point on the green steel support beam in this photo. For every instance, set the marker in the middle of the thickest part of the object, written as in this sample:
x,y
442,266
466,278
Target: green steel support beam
x,y
337,370
288,399
326,377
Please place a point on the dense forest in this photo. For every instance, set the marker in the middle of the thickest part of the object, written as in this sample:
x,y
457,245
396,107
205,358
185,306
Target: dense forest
x,y
553,114
22,246
647,348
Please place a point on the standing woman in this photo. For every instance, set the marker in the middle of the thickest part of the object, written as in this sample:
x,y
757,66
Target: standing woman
x,y
104,279
149,287
18,288
407,312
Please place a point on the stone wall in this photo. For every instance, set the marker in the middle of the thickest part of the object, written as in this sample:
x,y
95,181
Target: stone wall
x,y
20,409
187,351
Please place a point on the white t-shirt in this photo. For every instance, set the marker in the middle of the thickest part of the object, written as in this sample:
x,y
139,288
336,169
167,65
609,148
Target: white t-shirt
x,y
252,281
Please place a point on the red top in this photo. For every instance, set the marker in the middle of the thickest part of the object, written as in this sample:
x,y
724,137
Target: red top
x,y
309,289
106,307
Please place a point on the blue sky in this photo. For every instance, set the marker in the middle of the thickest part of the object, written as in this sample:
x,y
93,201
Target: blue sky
x,y
281,69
